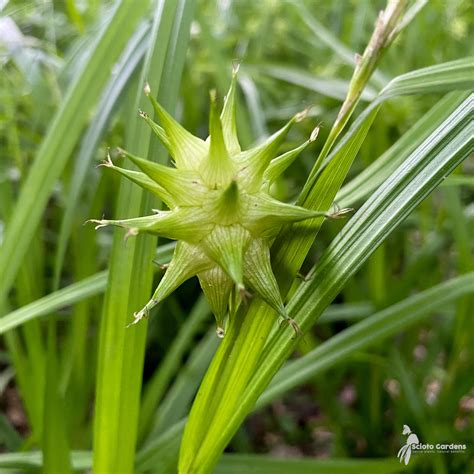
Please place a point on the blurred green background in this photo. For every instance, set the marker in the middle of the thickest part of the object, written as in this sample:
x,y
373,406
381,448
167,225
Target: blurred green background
x,y
293,55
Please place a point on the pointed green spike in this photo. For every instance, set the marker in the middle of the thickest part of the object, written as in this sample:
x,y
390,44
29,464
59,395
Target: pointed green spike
x,y
229,126
226,246
157,130
143,181
234,301
138,223
266,213
188,224
217,287
227,206
259,277
279,164
218,169
186,149
256,160
188,260
183,185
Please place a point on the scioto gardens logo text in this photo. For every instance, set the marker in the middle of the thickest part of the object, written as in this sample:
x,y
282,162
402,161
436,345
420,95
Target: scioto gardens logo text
x,y
413,445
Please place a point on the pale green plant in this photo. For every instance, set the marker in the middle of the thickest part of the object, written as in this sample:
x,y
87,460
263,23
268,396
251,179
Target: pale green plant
x,y
220,209
119,417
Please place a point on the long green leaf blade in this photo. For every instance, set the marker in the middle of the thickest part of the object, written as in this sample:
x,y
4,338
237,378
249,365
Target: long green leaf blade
x,y
242,463
79,291
119,376
369,179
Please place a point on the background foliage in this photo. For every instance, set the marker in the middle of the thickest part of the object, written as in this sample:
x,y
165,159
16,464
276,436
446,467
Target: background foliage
x,y
72,74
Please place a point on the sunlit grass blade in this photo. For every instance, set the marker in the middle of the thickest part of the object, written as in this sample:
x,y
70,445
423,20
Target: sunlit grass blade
x,y
79,291
335,88
33,460
129,287
229,464
69,295
328,38
454,75
244,463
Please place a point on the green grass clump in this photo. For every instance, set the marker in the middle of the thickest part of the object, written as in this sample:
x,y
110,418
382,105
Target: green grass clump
x,y
381,301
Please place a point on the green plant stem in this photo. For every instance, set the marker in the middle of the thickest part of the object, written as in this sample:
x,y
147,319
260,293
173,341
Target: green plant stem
x,y
381,39
169,365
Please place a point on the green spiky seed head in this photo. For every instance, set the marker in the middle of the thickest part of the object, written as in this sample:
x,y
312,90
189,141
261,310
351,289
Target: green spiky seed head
x,y
219,208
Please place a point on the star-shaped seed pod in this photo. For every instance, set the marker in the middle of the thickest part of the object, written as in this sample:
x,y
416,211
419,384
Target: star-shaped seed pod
x,y
220,211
